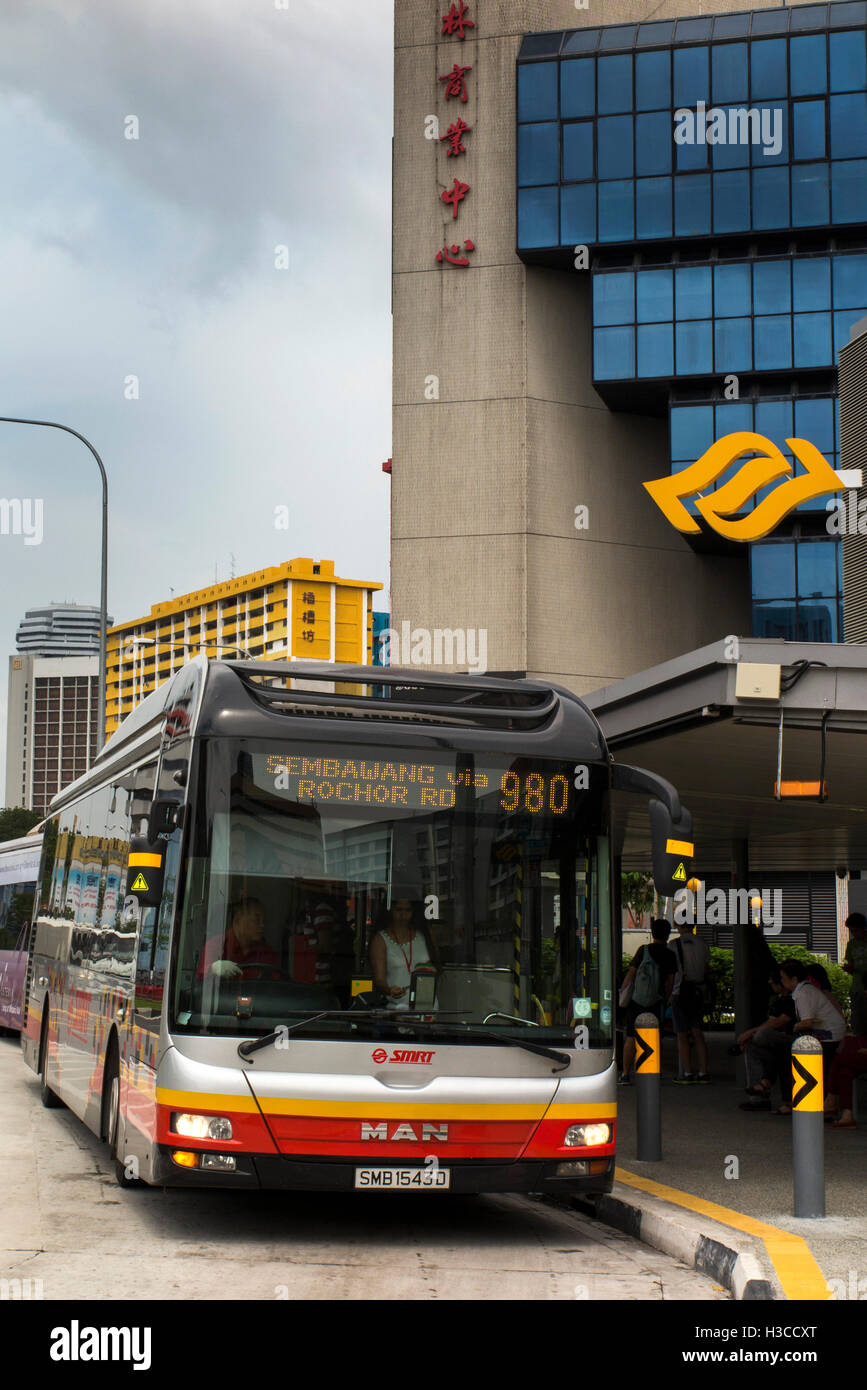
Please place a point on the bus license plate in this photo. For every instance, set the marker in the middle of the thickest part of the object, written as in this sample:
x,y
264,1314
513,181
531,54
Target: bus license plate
x,y
415,1179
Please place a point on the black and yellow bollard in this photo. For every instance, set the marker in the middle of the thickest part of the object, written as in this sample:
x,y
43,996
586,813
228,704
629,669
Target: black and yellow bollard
x,y
808,1126
647,1088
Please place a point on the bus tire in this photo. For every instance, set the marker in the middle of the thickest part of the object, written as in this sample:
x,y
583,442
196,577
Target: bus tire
x,y
46,1095
111,1116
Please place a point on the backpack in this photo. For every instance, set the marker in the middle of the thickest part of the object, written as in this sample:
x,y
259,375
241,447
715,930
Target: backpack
x,y
647,988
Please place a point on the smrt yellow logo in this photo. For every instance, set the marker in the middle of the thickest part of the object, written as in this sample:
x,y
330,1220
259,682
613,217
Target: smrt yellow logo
x,y
768,465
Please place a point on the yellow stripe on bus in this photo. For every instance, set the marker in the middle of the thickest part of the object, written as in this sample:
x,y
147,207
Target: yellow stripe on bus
x,y
361,1109
680,847
205,1100
147,861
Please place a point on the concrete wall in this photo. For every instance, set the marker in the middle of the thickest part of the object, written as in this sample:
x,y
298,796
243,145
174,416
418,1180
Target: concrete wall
x,y
486,476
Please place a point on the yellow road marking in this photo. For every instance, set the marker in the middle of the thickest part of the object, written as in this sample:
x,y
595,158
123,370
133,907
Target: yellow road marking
x,y
790,1255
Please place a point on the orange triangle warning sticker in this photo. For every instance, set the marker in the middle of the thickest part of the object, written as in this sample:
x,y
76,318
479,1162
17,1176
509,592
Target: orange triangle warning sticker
x,y
679,874
139,884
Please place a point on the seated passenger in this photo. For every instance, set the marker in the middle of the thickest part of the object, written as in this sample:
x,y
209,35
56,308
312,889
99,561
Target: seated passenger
x,y
767,1048
243,944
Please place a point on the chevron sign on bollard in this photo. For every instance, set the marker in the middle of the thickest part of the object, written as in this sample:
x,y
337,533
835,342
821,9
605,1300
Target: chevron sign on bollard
x,y
808,1126
647,1085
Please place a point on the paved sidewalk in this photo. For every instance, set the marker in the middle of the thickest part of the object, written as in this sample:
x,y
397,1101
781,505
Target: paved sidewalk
x,y
705,1136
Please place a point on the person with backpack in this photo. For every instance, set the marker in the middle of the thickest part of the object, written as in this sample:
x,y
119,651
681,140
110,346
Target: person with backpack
x,y
647,986
687,1004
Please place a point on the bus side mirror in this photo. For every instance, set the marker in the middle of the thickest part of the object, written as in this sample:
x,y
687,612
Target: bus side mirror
x,y
144,875
164,816
672,849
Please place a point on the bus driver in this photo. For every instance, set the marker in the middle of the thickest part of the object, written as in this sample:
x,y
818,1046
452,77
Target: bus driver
x,y
243,944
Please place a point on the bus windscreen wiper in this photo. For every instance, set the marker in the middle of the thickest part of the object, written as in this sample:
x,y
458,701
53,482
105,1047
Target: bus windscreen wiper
x,y
488,1034
245,1049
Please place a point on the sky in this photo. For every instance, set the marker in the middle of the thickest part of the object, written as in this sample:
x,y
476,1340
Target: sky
x,y
195,235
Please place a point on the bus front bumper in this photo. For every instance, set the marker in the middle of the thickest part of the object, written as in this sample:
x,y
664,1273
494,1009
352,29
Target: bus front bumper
x,y
273,1172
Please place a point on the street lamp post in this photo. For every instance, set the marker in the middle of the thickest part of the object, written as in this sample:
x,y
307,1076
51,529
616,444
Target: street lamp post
x,y
103,587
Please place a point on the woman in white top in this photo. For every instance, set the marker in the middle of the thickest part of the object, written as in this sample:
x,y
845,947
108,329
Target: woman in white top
x,y
396,951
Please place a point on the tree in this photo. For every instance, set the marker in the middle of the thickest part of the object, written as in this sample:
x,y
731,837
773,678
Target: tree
x,y
637,895
15,821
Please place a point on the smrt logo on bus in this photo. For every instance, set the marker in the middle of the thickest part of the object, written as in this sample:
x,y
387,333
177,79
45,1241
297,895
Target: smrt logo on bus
x,y
399,1054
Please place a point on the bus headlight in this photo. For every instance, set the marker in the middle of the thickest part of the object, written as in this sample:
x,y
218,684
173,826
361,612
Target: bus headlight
x,y
587,1136
202,1126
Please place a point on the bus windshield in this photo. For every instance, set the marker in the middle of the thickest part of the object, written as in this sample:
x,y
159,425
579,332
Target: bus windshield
x,y
396,887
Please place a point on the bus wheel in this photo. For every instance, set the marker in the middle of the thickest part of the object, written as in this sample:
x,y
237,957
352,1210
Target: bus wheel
x,y
46,1095
111,1118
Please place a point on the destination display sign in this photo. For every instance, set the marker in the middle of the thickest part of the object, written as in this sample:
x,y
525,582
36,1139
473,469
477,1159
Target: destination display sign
x,y
523,786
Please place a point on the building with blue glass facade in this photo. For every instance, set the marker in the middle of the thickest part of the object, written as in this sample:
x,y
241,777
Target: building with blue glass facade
x,y
715,168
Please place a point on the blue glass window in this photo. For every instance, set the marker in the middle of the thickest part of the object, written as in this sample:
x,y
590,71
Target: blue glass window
x,y
733,417
614,147
691,76
691,429
653,143
849,190
653,207
777,619
537,217
616,211
538,153
814,420
808,135
726,153
537,91
578,214
614,297
848,62
772,287
817,569
653,81
692,204
768,68
850,281
733,349
578,87
772,569
770,198
578,150
656,350
844,321
692,155
810,16
855,12
729,71
654,295
769,133
773,419
810,189
811,277
732,294
813,340
614,83
693,292
773,342
694,345
808,65
731,201
613,353
849,126
817,622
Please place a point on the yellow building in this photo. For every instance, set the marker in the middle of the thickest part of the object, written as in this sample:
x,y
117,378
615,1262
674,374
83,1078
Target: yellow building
x,y
299,610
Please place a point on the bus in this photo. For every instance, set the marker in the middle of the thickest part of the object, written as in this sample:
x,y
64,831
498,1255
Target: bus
x,y
296,930
19,870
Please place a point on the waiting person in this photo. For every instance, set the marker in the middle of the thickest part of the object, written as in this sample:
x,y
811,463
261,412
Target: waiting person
x,y
767,1048
651,976
397,950
761,964
687,1004
816,1014
849,1061
242,946
855,964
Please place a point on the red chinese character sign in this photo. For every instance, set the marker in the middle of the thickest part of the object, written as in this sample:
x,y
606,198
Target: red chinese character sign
x,y
455,133
456,82
455,195
456,22
451,255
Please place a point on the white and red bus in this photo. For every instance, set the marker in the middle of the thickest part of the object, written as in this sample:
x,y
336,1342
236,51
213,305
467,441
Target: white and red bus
x,y
295,930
